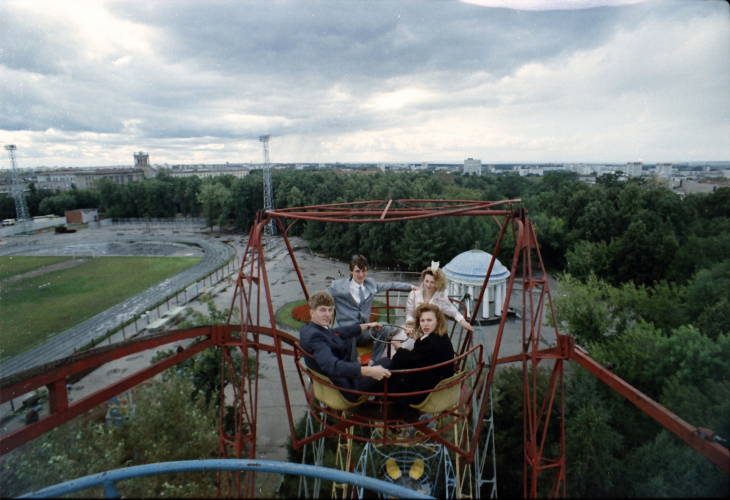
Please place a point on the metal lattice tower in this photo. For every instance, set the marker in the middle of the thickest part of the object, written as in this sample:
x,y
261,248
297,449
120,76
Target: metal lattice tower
x,y
268,188
21,208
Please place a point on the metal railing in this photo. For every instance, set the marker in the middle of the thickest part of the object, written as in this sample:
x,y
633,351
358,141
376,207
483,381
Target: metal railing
x,y
108,480
30,226
159,222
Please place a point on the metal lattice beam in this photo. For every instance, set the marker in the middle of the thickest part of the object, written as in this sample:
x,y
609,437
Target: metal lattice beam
x,y
17,188
268,188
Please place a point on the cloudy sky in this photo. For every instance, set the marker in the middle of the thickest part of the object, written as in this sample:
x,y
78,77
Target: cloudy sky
x,y
88,83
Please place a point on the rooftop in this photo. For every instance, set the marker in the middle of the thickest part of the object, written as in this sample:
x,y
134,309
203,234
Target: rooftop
x,y
473,265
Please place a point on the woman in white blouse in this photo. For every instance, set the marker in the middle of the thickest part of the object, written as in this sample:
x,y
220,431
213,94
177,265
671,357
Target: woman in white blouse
x,y
432,291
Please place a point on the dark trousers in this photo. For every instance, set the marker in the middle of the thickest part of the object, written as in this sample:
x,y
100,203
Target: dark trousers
x,y
365,339
368,384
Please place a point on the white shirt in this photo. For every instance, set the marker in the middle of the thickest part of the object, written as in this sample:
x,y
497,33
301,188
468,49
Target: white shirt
x,y
355,291
440,299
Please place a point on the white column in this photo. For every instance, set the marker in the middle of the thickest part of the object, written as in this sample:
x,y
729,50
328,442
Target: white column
x,y
485,312
498,300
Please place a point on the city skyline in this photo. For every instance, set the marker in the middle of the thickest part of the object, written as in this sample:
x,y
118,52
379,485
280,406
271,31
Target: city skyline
x,y
88,83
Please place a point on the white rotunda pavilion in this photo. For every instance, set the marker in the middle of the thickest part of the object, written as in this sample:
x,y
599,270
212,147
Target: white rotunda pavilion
x,y
465,274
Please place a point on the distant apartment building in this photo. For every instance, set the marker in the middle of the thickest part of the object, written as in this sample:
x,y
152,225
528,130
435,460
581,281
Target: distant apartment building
x,y
58,179
472,166
579,168
90,179
204,173
634,168
525,170
537,170
663,169
585,169
610,169
86,179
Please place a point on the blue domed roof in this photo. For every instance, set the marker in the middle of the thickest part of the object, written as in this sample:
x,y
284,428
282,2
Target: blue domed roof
x,y
473,265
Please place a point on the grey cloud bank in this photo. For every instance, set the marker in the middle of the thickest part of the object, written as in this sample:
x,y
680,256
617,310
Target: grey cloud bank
x,y
88,83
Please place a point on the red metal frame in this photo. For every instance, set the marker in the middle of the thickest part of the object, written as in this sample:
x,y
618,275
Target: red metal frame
x,y
252,336
55,380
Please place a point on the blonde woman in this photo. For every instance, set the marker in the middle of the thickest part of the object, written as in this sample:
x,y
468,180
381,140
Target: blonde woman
x,y
432,347
433,291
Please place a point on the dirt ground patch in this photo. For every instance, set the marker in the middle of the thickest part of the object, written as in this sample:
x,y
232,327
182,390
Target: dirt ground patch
x,y
66,264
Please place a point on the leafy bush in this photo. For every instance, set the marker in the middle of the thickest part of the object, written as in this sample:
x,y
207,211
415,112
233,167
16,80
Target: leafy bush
x,y
167,426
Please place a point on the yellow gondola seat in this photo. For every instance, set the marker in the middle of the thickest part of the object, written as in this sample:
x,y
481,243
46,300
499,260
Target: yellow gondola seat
x,y
329,395
443,398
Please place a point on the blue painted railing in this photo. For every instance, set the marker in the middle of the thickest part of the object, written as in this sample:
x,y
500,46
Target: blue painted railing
x,y
109,479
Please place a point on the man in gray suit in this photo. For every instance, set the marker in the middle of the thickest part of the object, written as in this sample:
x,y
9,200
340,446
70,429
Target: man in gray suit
x,y
354,300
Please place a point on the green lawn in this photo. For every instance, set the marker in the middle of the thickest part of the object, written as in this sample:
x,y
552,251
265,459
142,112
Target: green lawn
x,y
29,314
284,315
12,266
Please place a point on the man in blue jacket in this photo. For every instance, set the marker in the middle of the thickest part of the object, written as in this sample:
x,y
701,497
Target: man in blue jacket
x,y
330,349
354,299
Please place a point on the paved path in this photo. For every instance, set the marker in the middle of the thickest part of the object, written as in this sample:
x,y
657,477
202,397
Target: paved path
x,y
215,255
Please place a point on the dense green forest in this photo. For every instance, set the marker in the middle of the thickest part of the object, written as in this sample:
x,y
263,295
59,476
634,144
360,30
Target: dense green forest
x,y
619,231
644,283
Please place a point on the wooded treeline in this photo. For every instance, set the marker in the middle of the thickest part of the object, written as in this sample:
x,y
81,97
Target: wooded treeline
x,y
620,231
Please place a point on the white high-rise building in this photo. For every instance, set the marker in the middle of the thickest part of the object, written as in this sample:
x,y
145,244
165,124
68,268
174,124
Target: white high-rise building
x,y
633,168
664,169
472,166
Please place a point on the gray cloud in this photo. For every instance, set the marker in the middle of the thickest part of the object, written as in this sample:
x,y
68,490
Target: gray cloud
x,y
381,80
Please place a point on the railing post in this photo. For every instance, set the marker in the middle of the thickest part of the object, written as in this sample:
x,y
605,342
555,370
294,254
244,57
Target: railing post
x,y
110,489
57,396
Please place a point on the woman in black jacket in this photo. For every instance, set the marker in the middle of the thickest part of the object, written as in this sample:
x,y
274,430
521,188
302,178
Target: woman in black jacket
x,y
432,347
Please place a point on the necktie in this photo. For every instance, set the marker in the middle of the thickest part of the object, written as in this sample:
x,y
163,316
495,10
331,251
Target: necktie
x,y
362,302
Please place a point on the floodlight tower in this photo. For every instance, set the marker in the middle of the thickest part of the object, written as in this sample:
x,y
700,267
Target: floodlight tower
x,y
21,208
270,229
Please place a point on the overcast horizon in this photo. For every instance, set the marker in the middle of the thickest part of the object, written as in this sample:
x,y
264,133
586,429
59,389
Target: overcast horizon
x,y
595,81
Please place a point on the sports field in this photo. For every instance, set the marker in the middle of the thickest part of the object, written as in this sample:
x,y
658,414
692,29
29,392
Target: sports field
x,y
43,296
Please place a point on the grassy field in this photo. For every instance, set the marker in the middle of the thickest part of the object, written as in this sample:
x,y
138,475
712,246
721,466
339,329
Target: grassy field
x,y
29,315
12,266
